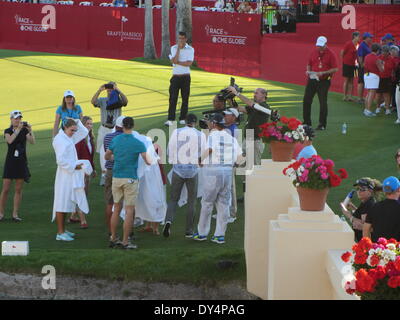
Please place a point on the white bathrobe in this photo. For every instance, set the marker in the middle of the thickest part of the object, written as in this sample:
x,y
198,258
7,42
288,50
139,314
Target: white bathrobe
x,y
151,202
67,160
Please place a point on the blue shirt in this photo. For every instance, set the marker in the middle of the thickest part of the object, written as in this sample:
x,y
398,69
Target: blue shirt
x,y
74,113
126,149
232,129
107,140
307,152
363,49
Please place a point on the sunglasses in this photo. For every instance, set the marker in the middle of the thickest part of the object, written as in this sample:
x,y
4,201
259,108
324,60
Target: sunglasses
x,y
362,189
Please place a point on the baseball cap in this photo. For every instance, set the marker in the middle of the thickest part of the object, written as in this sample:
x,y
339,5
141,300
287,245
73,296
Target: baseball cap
x,y
15,114
68,93
321,41
119,120
390,184
218,118
387,36
367,35
364,183
232,111
191,118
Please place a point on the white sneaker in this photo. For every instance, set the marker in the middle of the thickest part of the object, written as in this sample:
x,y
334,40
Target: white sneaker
x,y
168,123
182,122
231,219
102,180
378,110
397,121
387,112
71,234
64,237
368,113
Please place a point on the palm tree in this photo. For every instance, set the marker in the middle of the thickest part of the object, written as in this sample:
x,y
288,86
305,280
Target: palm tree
x,y
149,48
165,41
184,18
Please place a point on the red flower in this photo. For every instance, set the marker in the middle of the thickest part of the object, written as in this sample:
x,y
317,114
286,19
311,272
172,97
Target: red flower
x,y
334,180
364,282
293,123
394,282
382,241
346,256
343,173
284,120
374,260
391,240
380,272
397,263
360,259
365,244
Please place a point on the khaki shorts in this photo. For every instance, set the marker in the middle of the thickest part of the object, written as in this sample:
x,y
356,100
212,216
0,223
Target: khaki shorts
x,y
108,196
126,189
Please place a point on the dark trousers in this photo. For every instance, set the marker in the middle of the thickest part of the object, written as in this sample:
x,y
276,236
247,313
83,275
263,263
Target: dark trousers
x,y
179,83
176,188
321,88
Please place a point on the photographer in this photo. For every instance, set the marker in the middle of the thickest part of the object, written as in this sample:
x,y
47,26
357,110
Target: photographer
x,y
16,165
257,113
110,108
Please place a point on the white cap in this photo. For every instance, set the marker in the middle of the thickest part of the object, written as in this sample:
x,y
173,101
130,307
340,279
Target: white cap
x,y
119,120
15,114
68,93
232,111
321,41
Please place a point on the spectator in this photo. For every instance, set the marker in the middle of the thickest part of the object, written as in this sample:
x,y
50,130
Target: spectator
x,y
119,3
373,66
182,57
85,150
16,164
126,150
320,68
109,173
367,192
385,80
67,164
387,40
184,171
222,152
363,50
219,5
383,221
349,57
110,110
397,158
244,7
308,151
394,51
68,109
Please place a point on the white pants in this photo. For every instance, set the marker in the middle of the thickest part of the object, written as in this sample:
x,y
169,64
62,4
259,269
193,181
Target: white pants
x,y
100,145
217,189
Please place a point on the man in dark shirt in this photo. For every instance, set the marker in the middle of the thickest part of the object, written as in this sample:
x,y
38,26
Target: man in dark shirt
x,y
384,219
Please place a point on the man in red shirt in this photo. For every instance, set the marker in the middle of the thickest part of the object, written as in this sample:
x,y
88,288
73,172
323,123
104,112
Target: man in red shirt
x,y
385,80
349,57
320,68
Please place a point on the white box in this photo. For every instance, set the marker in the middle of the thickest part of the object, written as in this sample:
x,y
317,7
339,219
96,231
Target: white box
x,y
15,248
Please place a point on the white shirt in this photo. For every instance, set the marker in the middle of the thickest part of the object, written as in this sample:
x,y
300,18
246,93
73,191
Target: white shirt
x,y
184,150
185,54
225,149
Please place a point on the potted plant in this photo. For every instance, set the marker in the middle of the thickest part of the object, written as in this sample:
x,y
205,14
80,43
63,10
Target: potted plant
x,y
282,136
377,269
313,177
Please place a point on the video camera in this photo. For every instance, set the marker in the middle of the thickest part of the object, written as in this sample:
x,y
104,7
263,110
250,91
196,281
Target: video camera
x,y
223,96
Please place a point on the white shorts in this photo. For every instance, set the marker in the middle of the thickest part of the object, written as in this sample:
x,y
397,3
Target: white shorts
x,y
371,80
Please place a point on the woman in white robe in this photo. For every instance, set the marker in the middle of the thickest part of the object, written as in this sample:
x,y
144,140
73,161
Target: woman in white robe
x,y
65,200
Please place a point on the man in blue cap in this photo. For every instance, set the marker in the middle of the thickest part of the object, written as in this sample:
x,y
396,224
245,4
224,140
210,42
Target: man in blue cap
x,y
383,221
363,50
387,39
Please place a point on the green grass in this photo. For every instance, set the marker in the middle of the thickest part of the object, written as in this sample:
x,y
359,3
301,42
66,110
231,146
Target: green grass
x,y
34,83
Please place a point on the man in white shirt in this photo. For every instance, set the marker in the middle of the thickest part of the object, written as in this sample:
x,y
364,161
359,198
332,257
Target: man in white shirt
x,y
184,151
182,56
221,153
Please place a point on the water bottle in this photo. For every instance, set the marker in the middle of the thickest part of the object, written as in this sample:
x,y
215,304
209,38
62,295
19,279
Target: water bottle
x,y
344,128
348,198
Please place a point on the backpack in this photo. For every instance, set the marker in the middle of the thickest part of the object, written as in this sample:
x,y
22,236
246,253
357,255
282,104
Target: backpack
x,y
114,101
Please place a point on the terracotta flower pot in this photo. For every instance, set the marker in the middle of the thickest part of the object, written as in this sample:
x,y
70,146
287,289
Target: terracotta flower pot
x,y
282,151
312,199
